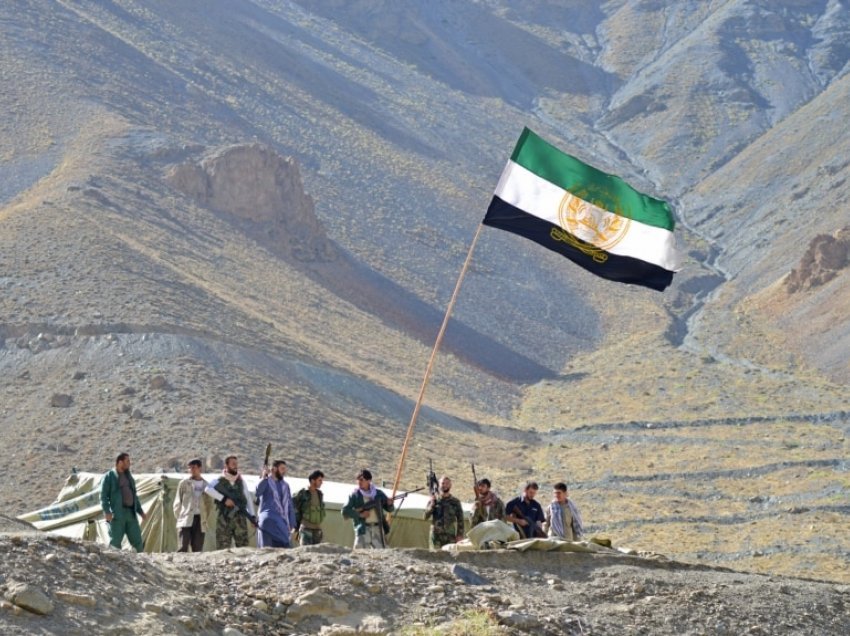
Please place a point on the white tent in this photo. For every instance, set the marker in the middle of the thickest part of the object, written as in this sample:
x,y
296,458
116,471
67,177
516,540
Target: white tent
x,y
77,513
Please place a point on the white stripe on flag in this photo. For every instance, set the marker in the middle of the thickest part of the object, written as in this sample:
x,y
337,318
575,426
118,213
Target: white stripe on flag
x,y
523,189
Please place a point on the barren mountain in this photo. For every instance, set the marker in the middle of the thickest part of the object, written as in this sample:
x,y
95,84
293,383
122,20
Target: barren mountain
x,y
241,224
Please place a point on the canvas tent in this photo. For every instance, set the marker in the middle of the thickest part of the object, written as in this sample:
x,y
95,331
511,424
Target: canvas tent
x,y
77,513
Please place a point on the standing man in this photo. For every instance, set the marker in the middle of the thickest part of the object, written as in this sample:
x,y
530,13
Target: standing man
x,y
525,513
446,516
233,501
277,514
562,516
488,506
192,509
366,506
121,504
310,510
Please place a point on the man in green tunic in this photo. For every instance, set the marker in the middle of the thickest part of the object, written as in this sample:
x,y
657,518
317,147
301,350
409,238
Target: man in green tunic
x,y
121,504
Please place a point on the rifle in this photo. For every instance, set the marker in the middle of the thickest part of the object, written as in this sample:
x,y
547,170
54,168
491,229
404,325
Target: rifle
x,y
474,483
537,530
374,502
265,465
236,507
431,480
382,520
434,489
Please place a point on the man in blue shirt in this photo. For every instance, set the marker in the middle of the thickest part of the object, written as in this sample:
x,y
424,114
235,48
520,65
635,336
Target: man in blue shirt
x,y
525,513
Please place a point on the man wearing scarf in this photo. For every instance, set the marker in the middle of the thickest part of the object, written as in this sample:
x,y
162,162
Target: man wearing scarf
x,y
277,514
562,515
370,527
488,506
231,494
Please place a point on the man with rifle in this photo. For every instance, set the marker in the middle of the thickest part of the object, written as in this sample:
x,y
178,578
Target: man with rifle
x,y
277,514
526,514
446,514
234,506
488,506
366,507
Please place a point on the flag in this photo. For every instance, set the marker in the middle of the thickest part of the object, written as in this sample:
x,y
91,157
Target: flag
x,y
595,219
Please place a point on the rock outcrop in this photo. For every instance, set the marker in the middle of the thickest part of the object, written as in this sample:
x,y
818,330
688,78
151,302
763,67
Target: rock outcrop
x,y
826,256
263,190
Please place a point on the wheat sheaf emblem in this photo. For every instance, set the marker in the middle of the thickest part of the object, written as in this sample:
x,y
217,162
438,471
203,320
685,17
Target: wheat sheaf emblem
x,y
598,229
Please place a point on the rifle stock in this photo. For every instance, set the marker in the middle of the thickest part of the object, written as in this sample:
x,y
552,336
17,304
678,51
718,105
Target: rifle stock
x,y
537,530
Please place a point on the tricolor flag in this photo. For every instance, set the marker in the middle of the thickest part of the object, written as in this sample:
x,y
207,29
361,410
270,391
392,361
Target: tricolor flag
x,y
595,219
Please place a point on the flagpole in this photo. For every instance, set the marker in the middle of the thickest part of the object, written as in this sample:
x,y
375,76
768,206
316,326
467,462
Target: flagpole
x,y
431,360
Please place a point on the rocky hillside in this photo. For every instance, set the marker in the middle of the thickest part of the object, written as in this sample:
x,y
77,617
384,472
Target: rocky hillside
x,y
242,225
58,586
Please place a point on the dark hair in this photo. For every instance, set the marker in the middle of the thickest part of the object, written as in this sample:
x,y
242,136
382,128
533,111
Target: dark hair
x,y
228,458
531,484
560,486
195,462
484,482
121,457
315,475
364,473
277,463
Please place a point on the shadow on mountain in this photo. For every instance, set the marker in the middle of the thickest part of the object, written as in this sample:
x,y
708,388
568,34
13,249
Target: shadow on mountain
x,y
261,193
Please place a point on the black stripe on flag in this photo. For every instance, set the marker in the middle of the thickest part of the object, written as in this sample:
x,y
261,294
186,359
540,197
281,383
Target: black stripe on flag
x,y
622,269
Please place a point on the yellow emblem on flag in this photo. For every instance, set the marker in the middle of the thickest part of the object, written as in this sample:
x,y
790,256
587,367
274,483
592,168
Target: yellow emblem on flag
x,y
591,224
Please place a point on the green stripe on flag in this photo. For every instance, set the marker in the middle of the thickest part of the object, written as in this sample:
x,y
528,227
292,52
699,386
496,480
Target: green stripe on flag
x,y
603,190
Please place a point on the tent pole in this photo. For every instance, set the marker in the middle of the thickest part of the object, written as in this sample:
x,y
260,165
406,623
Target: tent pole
x,y
431,360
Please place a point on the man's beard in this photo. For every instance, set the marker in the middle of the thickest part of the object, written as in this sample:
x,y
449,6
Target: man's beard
x,y
233,471
445,491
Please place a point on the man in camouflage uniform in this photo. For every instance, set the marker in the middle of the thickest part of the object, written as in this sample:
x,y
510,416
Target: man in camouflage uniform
x,y
488,506
231,494
310,510
446,516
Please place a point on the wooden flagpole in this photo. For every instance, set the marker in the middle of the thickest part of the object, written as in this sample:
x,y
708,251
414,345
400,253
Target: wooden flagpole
x,y
431,360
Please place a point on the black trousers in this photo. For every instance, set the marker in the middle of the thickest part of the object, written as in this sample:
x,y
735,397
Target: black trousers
x,y
192,535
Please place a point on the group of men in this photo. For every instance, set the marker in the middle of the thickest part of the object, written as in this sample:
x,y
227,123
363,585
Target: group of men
x,y
561,518
282,519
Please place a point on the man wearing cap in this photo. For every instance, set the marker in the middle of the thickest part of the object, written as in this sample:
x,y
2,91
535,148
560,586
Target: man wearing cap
x,y
192,509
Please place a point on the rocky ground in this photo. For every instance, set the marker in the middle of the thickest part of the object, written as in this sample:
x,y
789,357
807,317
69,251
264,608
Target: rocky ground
x,y
53,585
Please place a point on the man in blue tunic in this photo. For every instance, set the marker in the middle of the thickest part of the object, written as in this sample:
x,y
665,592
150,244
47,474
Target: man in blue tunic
x,y
277,514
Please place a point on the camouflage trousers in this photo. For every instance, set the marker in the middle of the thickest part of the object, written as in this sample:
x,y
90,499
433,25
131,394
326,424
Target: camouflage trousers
x,y
439,539
310,536
230,528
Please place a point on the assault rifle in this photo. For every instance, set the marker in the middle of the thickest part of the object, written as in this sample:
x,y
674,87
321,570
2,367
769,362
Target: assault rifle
x,y
474,482
236,507
369,505
536,531
431,480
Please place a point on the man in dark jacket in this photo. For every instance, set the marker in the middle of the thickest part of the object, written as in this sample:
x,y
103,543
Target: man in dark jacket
x,y
526,513
121,504
366,507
